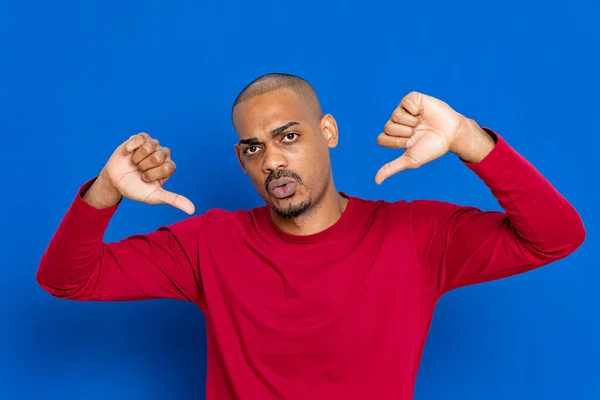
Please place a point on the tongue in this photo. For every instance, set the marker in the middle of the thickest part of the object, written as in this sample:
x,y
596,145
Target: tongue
x,y
284,191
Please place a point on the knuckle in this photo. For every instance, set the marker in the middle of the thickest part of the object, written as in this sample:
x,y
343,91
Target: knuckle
x,y
147,148
387,141
388,125
168,168
141,137
152,144
158,157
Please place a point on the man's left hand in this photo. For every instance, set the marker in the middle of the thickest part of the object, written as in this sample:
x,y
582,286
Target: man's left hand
x,y
428,128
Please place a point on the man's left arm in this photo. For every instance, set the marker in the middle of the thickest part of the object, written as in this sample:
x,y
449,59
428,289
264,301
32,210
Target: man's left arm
x,y
459,245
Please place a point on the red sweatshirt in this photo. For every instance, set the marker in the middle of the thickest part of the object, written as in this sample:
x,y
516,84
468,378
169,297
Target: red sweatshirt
x,y
341,314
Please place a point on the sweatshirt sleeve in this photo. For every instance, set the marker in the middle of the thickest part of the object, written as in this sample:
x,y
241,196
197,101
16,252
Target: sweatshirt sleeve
x,y
459,245
79,265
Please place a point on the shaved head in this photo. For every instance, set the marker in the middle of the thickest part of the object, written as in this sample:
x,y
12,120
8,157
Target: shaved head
x,y
274,81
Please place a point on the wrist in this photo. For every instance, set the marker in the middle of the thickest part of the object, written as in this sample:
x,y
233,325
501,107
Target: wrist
x,y
471,142
102,193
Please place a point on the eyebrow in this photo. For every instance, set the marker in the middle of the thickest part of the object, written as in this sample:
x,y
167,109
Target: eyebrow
x,y
274,132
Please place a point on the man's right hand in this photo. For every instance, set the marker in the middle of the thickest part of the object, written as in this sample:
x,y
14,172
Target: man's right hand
x,y
137,170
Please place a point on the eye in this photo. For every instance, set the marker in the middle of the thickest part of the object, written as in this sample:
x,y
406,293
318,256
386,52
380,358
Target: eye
x,y
290,137
250,150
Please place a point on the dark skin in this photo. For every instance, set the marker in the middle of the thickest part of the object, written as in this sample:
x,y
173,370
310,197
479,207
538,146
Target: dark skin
x,y
279,130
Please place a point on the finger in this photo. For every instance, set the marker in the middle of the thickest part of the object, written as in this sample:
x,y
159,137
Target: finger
x,y
173,199
163,171
393,167
412,103
149,147
394,129
403,117
134,142
158,157
393,142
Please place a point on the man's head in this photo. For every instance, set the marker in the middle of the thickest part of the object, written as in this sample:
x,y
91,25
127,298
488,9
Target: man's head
x,y
284,142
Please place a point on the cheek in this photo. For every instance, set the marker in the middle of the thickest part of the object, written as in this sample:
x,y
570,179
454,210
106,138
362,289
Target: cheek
x,y
257,178
300,163
255,173
310,167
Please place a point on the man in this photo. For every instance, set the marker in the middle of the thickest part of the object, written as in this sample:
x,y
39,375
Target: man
x,y
318,294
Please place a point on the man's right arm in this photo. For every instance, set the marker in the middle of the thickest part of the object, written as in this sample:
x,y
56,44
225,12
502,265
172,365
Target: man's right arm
x,y
79,265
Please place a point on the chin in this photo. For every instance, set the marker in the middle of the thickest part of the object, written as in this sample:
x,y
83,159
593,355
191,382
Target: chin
x,y
291,207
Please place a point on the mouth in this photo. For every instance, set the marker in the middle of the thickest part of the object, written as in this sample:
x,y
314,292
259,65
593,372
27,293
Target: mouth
x,y
283,187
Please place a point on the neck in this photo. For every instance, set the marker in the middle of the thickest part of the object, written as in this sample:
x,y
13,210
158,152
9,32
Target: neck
x,y
324,213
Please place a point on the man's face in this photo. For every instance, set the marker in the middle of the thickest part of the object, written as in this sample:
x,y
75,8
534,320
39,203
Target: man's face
x,y
284,149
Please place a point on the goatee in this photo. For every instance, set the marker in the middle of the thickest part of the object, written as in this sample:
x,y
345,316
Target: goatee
x,y
293,210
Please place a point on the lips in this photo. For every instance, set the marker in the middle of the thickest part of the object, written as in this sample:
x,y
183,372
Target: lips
x,y
282,187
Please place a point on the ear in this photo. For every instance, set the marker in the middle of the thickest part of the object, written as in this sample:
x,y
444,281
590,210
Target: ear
x,y
330,130
238,152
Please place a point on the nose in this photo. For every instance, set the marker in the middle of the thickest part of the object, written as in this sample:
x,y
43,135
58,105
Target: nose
x,y
273,160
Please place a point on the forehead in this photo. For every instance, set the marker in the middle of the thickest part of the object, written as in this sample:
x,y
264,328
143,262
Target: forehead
x,y
265,112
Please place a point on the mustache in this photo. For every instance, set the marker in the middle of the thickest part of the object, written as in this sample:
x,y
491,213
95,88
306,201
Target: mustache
x,y
282,173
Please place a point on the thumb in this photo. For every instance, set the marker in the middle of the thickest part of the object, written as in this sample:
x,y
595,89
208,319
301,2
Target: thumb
x,y
173,199
393,167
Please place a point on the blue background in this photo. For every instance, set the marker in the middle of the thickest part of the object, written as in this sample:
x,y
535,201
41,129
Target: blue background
x,y
78,78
